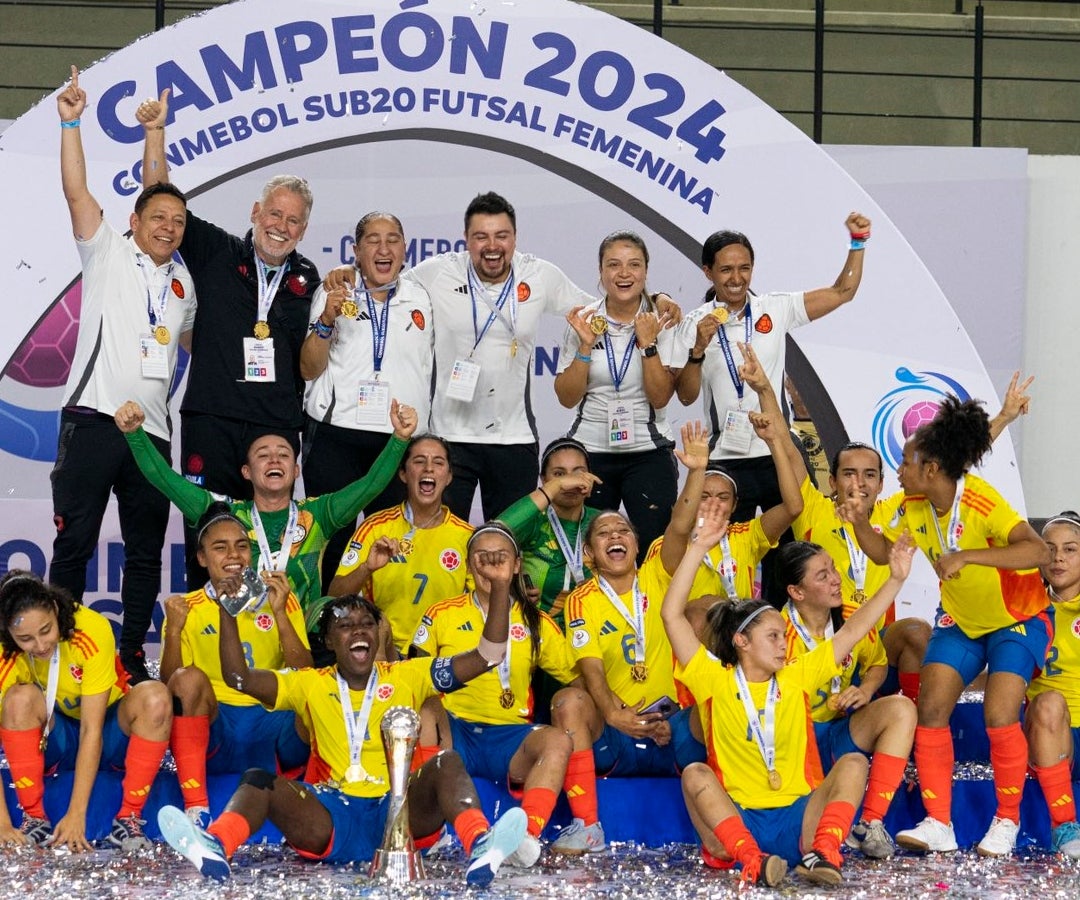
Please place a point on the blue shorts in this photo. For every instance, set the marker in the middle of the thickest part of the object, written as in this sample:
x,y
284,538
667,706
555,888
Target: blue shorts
x,y
487,749
620,755
245,737
891,684
1019,649
358,823
778,830
63,745
834,740
1076,754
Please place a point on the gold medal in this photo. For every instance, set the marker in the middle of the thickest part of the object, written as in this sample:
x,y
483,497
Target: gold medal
x,y
858,598
161,335
834,702
349,309
506,698
405,546
639,672
513,348
43,742
598,324
355,774
775,782
262,331
721,314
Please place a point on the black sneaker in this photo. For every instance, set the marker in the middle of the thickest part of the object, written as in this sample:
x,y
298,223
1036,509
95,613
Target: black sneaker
x,y
134,663
816,868
771,870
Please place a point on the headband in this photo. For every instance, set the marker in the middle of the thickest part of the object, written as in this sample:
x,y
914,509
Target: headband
x,y
750,618
495,529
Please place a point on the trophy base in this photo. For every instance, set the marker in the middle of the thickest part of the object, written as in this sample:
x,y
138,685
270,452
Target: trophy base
x,y
397,865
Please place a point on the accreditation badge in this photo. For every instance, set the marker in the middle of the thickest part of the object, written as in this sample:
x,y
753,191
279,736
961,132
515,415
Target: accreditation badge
x,y
373,403
153,358
463,380
259,360
738,432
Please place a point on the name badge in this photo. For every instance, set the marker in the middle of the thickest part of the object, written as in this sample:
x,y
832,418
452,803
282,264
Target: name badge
x,y
463,378
259,359
738,432
153,357
621,417
373,403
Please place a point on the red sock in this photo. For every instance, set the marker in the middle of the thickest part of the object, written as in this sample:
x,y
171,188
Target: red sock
x,y
232,829
832,828
27,763
190,738
1056,784
469,825
538,803
934,761
580,786
1008,756
885,774
141,765
737,840
423,753
909,685
715,862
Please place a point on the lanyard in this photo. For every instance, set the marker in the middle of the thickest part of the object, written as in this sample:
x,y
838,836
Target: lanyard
x,y
156,311
281,560
356,724
380,324
503,668
618,376
803,632
635,621
267,292
764,737
858,562
573,557
955,525
727,568
50,689
725,348
477,287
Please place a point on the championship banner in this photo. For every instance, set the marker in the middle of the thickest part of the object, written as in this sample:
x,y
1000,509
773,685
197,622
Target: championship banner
x,y
586,123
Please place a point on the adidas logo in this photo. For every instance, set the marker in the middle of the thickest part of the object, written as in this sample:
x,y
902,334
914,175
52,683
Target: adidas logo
x,y
466,626
608,628
209,630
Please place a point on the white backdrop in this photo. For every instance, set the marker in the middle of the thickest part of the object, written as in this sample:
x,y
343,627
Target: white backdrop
x,y
581,138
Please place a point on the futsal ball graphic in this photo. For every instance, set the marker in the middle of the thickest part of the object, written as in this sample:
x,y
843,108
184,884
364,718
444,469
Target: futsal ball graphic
x,y
917,416
44,359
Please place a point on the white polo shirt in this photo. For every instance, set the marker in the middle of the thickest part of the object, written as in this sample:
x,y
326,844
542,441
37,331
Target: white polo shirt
x,y
774,315
117,296
500,411
591,424
406,363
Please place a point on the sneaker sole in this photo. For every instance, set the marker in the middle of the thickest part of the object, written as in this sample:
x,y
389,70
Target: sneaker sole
x,y
820,876
876,852
180,833
505,836
774,871
989,854
917,846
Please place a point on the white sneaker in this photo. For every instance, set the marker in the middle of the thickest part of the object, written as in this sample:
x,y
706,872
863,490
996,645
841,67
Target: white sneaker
x,y
1000,838
577,839
526,855
871,838
494,845
929,836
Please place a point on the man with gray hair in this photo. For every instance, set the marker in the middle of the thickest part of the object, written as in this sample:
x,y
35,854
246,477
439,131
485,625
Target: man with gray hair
x,y
245,372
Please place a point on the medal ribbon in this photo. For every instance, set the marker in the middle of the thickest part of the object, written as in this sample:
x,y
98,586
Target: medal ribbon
x,y
51,686
156,312
953,543
267,292
356,723
503,668
726,569
278,562
477,287
857,559
803,632
725,348
618,376
635,621
764,737
574,566
380,325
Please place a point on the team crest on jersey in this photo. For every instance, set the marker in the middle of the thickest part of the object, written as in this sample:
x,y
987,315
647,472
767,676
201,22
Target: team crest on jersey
x,y
450,559
524,292
384,692
764,324
1076,627
75,672
352,555
846,664
177,288
299,534
264,622
418,319
645,604
580,638
421,635
945,621
518,632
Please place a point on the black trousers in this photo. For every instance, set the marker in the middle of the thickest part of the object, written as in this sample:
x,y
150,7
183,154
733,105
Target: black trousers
x,y
505,473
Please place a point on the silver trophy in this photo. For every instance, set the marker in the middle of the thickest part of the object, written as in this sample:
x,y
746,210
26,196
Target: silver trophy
x,y
397,859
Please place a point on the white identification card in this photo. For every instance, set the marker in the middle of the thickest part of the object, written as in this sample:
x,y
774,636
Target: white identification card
x,y
463,379
154,358
621,416
737,431
373,403
259,359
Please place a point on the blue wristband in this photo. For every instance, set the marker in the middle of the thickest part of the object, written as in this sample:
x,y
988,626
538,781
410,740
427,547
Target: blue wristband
x,y
323,331
583,358
858,245
74,123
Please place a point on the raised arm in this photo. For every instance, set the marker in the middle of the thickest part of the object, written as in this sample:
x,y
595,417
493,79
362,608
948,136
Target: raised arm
x,y
823,301
176,613
84,210
875,545
497,567
573,381
381,551
1017,402
235,672
688,379
315,351
695,456
153,114
658,380
294,651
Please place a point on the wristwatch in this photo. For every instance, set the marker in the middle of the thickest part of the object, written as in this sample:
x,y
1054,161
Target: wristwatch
x,y
649,351
692,360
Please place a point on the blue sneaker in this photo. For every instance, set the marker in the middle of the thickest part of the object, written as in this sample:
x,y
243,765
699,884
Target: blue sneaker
x,y
493,846
1066,839
202,850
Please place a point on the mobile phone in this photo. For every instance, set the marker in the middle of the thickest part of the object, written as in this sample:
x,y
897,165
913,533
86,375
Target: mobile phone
x,y
665,706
